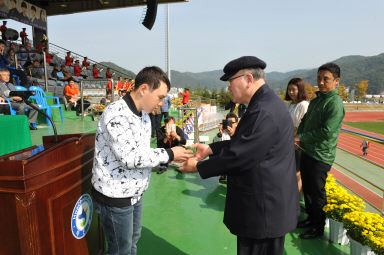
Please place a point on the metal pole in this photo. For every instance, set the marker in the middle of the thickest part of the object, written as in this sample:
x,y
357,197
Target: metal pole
x,y
15,60
113,90
196,126
82,99
45,73
168,47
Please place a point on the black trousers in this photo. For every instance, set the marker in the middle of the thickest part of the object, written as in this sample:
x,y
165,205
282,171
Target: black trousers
x,y
269,246
313,176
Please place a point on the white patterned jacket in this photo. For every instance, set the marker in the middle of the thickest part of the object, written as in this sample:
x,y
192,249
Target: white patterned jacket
x,y
123,158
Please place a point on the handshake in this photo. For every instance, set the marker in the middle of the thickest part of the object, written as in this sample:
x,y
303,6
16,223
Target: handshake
x,y
190,159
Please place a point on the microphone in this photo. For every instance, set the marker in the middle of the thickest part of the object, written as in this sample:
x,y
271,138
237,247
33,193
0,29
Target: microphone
x,y
22,94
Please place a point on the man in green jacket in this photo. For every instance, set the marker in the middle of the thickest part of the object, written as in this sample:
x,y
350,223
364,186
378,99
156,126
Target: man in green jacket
x,y
317,137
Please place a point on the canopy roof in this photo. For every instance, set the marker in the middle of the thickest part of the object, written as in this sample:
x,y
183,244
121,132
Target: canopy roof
x,y
60,7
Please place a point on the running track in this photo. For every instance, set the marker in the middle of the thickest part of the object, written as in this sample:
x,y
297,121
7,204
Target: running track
x,y
352,144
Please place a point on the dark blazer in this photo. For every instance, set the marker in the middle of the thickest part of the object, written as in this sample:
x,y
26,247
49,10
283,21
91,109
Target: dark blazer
x,y
262,198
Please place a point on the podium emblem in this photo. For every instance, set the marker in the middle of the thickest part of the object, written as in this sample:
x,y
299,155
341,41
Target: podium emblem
x,y
82,216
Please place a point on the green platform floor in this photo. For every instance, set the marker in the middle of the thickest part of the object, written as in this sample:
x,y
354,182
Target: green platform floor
x,y
183,213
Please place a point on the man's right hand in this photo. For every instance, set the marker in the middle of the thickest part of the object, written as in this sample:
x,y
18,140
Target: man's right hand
x,y
181,154
17,98
202,150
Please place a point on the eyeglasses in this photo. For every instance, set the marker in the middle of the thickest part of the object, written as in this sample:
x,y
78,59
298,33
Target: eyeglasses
x,y
233,78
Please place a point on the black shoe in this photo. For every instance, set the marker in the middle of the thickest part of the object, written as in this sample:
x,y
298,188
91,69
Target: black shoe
x,y
312,233
304,224
162,170
31,127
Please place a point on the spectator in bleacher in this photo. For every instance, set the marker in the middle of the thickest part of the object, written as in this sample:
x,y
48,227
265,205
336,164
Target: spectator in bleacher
x,y
48,57
131,85
185,96
24,36
85,63
119,83
77,69
42,45
169,136
36,71
3,28
125,83
16,102
95,72
296,94
26,54
225,134
66,74
12,46
317,137
11,58
165,107
72,94
5,64
68,59
56,73
108,74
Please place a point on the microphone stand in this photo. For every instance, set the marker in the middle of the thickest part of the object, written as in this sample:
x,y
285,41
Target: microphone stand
x,y
25,100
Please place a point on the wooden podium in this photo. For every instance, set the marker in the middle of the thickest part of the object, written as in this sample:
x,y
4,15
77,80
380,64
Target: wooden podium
x,y
40,187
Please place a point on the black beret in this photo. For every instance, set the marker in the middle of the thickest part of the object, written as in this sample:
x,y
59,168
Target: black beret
x,y
241,63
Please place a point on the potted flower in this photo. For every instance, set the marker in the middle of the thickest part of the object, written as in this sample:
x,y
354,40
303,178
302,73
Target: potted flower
x,y
97,110
366,232
339,202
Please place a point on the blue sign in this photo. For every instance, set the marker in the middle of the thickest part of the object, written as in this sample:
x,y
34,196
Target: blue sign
x,y
82,216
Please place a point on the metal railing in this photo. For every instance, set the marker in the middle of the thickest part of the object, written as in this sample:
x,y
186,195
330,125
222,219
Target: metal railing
x,y
95,85
188,116
62,52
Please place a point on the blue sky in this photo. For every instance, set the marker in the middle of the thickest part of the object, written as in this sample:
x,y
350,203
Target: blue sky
x,y
206,34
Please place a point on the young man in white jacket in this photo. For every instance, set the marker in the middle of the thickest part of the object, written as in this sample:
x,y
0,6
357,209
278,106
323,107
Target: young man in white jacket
x,y
124,159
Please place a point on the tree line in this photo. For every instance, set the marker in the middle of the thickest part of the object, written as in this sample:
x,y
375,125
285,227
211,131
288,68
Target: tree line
x,y
223,96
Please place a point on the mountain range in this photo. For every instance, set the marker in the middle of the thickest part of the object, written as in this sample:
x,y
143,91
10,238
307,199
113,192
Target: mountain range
x,y
354,69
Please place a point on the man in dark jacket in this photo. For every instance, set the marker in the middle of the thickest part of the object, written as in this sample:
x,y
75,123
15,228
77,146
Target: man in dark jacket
x,y
262,202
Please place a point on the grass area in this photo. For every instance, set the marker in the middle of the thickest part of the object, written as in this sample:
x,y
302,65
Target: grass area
x,y
375,127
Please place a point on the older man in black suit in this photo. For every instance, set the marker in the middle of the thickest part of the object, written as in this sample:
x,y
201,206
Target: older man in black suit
x,y
262,202
16,102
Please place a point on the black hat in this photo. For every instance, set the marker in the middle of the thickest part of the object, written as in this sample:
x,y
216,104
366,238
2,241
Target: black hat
x,y
241,63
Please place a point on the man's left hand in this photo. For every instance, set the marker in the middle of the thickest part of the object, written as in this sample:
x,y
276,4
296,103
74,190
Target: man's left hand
x,y
189,166
17,98
297,142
